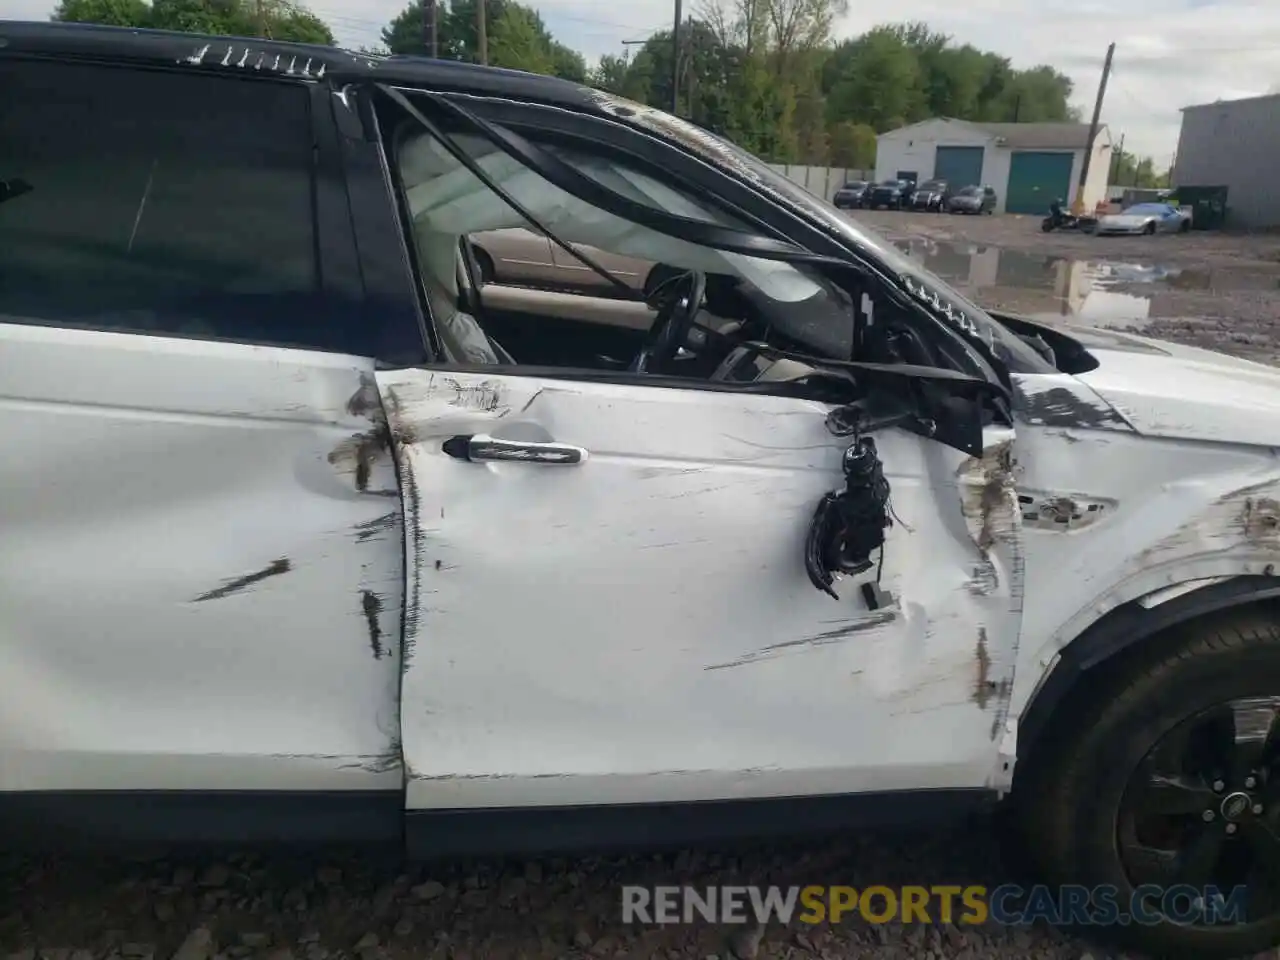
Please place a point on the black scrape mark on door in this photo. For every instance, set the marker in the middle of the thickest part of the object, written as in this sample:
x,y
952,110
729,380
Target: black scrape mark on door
x,y
837,635
365,401
273,569
357,454
371,528
371,604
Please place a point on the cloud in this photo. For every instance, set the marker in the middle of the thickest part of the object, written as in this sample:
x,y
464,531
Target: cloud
x,y
1169,53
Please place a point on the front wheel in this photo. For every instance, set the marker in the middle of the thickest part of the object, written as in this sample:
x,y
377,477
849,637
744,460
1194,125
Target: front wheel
x,y
1160,784
1149,230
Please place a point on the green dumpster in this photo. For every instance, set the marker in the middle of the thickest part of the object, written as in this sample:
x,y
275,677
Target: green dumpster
x,y
1208,204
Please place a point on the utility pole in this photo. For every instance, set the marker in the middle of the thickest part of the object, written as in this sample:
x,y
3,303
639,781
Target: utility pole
x,y
482,35
1078,206
430,39
675,63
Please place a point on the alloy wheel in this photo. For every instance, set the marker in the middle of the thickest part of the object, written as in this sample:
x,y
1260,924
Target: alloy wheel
x,y
1202,809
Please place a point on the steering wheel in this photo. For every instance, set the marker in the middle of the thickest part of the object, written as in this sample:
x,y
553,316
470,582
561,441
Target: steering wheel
x,y
682,299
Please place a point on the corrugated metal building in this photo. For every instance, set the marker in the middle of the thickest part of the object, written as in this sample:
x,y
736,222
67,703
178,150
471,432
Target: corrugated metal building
x,y
1028,164
1234,144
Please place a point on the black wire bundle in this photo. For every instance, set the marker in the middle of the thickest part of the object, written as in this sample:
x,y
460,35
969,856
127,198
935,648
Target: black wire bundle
x,y
849,524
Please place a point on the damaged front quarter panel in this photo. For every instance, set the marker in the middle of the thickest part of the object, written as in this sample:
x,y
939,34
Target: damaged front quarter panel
x,y
989,503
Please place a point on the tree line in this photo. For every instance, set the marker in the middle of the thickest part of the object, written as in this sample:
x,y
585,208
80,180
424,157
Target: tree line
x,y
767,74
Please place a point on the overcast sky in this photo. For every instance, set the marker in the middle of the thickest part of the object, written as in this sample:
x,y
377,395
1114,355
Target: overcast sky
x,y
1169,53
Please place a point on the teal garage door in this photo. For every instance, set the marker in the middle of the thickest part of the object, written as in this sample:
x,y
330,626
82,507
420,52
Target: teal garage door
x,y
959,166
1036,179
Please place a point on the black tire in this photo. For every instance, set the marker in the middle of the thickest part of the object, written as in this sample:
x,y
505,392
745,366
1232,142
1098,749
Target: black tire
x,y
1149,230
1070,793
484,265
1184,226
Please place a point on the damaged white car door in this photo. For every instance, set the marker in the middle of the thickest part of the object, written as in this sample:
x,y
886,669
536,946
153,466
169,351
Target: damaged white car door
x,y
608,601
607,598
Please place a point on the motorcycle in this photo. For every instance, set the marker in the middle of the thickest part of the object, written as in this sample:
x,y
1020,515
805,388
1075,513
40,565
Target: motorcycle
x,y
1059,219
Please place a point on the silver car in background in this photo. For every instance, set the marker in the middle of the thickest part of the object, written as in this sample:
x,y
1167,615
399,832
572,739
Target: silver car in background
x,y
1144,219
521,257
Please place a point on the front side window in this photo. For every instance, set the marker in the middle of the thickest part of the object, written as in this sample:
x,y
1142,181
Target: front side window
x,y
539,305
164,204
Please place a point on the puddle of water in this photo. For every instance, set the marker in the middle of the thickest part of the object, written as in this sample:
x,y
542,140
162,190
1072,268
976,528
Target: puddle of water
x,y
1052,286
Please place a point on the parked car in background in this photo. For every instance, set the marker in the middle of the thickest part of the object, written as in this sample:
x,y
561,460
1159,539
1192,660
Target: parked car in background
x,y
892,194
518,256
851,195
931,195
972,199
1144,218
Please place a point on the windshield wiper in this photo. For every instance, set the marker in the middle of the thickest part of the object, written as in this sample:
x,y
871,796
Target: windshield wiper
x,y
469,162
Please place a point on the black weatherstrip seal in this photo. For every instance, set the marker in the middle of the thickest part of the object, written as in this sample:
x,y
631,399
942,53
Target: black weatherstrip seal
x,y
461,156
561,174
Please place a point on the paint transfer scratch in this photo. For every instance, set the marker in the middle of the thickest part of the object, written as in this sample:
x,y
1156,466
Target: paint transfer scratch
x,y
371,605
846,630
358,453
990,507
273,569
365,402
1260,520
370,529
385,762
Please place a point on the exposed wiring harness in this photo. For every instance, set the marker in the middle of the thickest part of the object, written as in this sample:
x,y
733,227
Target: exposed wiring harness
x,y
849,525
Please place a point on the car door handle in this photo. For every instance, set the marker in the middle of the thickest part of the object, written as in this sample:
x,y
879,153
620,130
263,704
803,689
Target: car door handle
x,y
481,446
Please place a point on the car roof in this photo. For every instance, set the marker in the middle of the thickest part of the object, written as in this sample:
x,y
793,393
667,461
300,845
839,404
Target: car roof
x,y
256,57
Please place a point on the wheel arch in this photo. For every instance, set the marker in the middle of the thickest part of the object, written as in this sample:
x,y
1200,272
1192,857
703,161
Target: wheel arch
x,y
1128,629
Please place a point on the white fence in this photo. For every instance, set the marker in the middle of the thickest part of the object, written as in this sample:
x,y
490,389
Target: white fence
x,y
823,181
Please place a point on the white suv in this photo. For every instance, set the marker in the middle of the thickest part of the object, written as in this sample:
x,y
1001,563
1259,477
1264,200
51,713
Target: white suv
x,y
305,537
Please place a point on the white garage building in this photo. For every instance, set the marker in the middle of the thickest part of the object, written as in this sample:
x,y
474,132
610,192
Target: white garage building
x,y
1028,164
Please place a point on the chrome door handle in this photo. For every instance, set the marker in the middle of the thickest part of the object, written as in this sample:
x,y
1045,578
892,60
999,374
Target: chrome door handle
x,y
481,446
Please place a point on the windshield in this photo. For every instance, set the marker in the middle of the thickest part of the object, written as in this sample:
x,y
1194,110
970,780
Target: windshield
x,y
1145,209
855,185
969,192
890,183
934,185
1014,352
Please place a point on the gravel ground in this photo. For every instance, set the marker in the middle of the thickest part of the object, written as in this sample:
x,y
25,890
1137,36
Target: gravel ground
x,y
293,908
296,908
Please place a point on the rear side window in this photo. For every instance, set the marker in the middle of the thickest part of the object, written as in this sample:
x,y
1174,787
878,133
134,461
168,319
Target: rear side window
x,y
162,203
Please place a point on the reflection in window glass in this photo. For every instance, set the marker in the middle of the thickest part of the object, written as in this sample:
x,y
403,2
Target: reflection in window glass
x,y
168,204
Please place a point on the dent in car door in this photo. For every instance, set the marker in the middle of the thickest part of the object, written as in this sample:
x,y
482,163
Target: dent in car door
x,y
200,584
609,604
